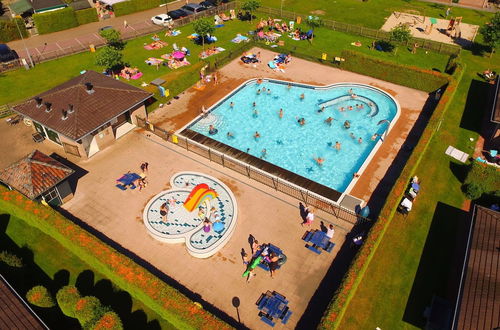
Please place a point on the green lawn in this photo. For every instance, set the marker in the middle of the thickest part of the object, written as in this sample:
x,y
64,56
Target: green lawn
x,y
24,84
413,260
56,265
372,13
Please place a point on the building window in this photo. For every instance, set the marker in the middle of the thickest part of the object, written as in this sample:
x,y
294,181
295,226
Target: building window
x,y
52,197
53,135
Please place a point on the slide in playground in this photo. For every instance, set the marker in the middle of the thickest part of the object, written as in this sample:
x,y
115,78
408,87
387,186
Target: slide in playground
x,y
198,195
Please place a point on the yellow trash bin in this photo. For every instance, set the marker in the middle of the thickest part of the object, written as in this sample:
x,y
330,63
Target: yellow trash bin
x,y
323,56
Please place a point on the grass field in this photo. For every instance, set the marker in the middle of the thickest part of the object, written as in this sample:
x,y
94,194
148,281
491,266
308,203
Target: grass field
x,y
373,13
24,84
414,260
55,266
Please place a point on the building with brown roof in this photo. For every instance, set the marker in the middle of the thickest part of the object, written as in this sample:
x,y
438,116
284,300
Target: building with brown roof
x,y
478,303
39,177
494,139
87,113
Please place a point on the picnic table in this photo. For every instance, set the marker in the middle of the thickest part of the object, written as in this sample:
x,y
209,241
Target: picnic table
x,y
273,305
271,248
318,240
127,180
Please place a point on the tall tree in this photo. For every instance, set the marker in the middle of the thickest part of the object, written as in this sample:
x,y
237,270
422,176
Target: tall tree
x,y
251,6
491,32
313,22
113,38
401,34
109,57
203,27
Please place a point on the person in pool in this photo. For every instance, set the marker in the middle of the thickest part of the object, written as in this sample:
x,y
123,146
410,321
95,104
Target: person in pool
x,y
254,104
360,140
302,96
375,136
255,113
280,114
256,135
352,135
258,91
350,108
337,145
231,105
289,86
230,135
329,120
301,121
321,110
347,124
341,109
319,160
263,153
212,130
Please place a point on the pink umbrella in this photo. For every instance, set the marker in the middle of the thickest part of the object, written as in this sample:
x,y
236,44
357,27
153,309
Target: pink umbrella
x,y
178,55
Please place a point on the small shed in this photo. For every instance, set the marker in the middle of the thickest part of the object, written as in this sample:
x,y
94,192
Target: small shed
x,y
39,177
40,6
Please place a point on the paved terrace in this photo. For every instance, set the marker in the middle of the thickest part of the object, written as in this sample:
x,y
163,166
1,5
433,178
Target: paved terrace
x,y
267,215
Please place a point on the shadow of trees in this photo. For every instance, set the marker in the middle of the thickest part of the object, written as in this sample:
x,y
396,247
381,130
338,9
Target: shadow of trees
x,y
475,105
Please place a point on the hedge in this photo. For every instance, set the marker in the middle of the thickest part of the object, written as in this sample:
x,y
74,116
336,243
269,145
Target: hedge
x,y
40,296
404,75
11,259
109,321
9,31
87,309
56,20
132,6
67,298
337,307
85,16
481,179
169,303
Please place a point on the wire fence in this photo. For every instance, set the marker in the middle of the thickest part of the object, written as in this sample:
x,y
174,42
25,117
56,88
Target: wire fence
x,y
436,46
295,191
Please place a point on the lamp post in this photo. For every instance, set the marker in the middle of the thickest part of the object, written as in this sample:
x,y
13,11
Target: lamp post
x,y
281,8
24,43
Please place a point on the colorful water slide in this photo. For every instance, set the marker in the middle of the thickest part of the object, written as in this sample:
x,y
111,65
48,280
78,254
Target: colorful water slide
x,y
197,196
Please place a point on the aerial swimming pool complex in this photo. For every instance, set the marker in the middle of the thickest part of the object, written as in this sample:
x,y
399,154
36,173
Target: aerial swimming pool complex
x,y
326,134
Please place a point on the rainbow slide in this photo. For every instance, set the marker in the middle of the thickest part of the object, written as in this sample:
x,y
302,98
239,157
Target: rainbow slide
x,y
198,195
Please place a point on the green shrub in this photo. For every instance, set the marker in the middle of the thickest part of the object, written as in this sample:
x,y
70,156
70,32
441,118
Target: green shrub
x,y
67,297
40,296
481,178
87,309
85,16
473,191
384,46
131,6
406,75
453,62
56,20
109,321
11,259
9,31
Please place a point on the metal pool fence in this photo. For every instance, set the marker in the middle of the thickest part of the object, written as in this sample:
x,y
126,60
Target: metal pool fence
x,y
300,193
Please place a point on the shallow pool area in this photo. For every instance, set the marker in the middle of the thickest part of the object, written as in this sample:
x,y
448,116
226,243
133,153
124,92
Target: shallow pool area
x,y
294,125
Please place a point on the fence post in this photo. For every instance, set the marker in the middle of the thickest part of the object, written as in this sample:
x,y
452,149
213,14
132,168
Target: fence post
x,y
222,160
209,155
440,46
248,171
186,141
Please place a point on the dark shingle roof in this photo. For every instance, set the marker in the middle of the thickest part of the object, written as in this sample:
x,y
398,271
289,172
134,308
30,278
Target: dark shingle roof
x,y
35,174
45,4
109,99
14,312
479,301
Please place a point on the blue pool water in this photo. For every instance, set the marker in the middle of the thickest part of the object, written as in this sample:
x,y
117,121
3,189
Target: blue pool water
x,y
293,147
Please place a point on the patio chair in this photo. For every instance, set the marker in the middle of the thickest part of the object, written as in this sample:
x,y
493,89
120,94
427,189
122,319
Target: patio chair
x,y
457,154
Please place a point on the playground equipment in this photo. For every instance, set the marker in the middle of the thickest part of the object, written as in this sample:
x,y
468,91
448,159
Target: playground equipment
x,y
252,266
453,29
198,195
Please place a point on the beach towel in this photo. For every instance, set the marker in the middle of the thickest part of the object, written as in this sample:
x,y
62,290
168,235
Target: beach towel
x,y
457,154
153,61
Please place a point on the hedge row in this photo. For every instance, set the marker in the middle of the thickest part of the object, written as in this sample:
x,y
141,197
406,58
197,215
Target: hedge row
x,y
63,19
482,179
404,75
169,303
335,311
85,16
9,31
132,6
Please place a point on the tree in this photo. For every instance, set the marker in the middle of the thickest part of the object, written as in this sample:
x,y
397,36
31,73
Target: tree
x,y
491,32
40,296
67,298
401,33
203,27
251,6
109,57
113,38
313,22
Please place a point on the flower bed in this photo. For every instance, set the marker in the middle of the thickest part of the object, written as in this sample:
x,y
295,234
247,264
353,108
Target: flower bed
x,y
169,303
335,311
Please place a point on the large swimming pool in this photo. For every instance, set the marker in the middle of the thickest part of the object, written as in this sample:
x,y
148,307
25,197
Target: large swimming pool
x,y
287,143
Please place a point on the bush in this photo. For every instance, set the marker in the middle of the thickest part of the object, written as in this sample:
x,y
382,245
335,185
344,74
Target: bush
x,y
56,20
406,75
481,178
453,62
85,16
40,296
9,31
109,321
473,191
131,6
87,309
384,46
11,259
67,297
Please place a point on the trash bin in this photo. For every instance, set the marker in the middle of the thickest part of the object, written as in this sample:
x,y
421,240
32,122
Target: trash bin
x,y
92,48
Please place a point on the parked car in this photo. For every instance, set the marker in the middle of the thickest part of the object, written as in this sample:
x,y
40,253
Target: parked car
x,y
176,14
207,4
7,54
192,8
162,19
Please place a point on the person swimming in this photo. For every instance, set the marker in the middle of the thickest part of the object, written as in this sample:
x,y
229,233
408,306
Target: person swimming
x,y
289,86
256,135
337,145
255,113
258,91
319,160
341,109
350,91
350,108
375,136
254,104
347,124
231,105
263,153
352,135
212,130
230,135
329,120
321,110
302,96
360,140
268,91
280,114
301,121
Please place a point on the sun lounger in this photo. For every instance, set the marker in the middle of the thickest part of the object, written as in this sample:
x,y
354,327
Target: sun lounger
x,y
457,154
